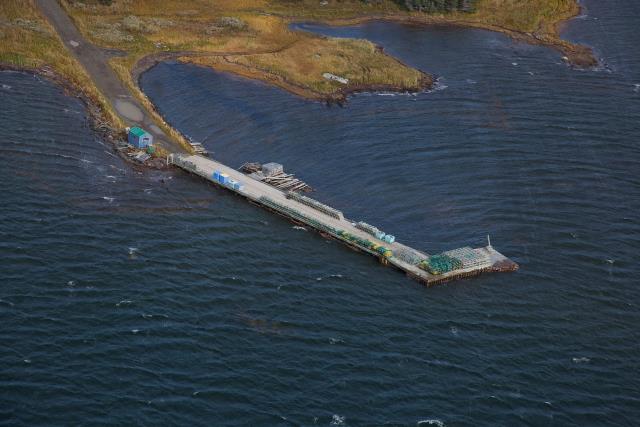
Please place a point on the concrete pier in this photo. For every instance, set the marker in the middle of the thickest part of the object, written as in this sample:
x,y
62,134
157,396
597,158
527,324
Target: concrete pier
x,y
396,254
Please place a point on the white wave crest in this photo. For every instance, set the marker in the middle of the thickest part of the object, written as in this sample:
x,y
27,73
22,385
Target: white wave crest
x,y
438,86
337,420
581,360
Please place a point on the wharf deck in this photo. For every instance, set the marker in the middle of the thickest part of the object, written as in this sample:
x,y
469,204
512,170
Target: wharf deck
x,y
276,200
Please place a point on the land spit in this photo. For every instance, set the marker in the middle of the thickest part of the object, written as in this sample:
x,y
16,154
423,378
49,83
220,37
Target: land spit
x,y
95,61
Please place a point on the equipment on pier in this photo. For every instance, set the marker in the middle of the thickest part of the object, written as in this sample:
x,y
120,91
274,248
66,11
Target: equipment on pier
x,y
274,175
462,258
271,169
440,264
374,231
223,178
312,203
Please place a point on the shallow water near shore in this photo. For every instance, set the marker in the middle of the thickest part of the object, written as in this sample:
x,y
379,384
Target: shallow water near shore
x,y
148,297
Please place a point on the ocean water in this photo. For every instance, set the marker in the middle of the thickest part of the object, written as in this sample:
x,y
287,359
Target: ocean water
x,y
135,297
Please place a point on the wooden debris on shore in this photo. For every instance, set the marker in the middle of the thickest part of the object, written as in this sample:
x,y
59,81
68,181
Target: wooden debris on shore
x,y
274,175
141,157
197,147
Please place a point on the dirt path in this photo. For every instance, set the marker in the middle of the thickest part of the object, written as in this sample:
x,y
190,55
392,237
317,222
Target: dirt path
x,y
95,62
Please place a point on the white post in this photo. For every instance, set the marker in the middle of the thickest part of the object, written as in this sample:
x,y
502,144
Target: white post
x,y
488,241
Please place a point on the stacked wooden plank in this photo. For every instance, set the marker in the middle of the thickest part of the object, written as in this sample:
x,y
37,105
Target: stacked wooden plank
x,y
280,180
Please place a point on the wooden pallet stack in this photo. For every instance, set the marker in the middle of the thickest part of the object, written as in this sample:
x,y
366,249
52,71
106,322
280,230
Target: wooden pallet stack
x,y
279,179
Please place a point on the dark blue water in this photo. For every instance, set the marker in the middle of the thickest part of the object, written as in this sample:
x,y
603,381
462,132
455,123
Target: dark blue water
x,y
141,297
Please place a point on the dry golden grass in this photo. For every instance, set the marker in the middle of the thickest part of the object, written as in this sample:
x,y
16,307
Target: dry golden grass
x,y
267,46
525,16
264,48
261,46
189,24
360,61
334,9
28,41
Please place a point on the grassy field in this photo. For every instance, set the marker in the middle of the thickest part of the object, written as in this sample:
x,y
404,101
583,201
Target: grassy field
x,y
28,41
516,15
537,20
533,16
252,37
247,38
299,67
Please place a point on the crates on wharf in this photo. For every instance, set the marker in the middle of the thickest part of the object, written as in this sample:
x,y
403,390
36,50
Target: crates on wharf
x,y
440,264
236,185
312,203
471,258
367,244
375,232
409,256
222,178
368,228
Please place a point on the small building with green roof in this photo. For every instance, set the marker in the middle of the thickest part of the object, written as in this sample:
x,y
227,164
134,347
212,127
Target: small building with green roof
x,y
140,138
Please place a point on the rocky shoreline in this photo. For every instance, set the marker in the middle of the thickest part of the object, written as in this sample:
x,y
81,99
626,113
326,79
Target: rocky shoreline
x,y
339,97
96,118
576,55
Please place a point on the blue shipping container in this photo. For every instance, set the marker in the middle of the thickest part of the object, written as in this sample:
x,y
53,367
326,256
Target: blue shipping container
x,y
216,176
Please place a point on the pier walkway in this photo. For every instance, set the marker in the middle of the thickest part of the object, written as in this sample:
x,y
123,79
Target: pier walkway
x,y
400,256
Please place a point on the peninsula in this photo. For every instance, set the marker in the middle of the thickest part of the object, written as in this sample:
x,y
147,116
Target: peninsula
x,y
251,38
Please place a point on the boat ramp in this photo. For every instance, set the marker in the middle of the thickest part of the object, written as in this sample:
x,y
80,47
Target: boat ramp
x,y
330,222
